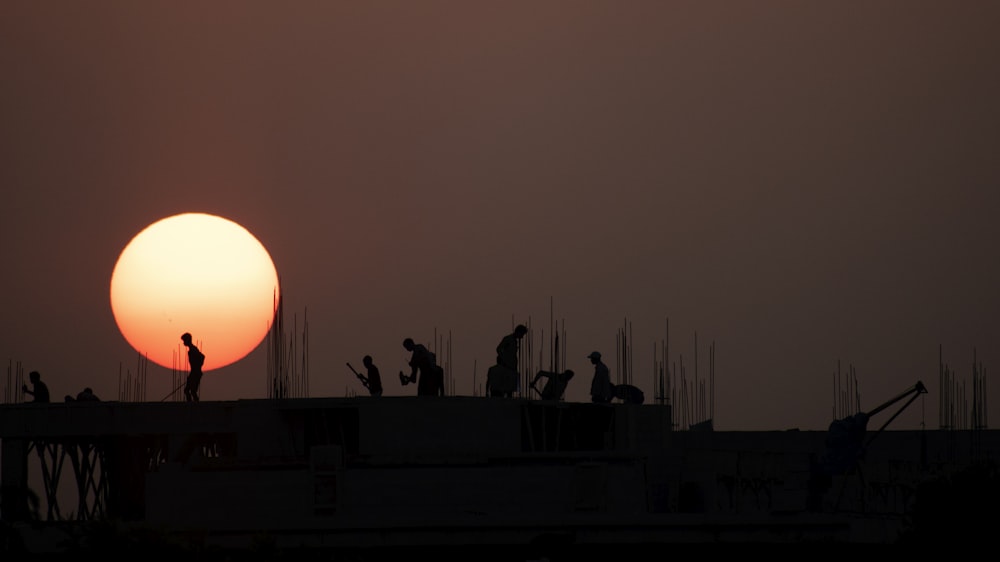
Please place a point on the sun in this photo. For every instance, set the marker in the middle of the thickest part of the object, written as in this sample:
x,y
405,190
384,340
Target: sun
x,y
197,273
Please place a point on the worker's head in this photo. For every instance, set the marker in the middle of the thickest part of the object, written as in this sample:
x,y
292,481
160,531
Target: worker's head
x,y
594,357
367,360
408,344
34,376
520,330
186,338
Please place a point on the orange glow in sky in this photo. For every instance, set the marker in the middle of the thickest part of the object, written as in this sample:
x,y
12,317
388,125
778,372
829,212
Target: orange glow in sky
x,y
196,273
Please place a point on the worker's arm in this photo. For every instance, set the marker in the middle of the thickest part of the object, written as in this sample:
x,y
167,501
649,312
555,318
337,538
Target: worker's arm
x,y
539,375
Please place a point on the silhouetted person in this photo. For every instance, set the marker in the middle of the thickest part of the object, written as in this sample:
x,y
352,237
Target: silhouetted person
x,y
196,359
39,390
85,395
555,386
501,379
601,389
508,347
373,382
501,382
628,393
431,381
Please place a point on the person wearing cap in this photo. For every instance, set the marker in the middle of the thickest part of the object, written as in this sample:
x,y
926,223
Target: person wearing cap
x,y
601,391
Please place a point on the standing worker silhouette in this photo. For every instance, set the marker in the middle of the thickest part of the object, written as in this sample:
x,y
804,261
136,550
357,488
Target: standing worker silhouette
x,y
601,390
196,359
431,382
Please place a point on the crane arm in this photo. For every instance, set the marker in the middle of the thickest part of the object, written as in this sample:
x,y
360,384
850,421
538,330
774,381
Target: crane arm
x,y
913,392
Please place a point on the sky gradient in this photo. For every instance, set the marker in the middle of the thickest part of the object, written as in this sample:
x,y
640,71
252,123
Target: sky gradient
x,y
799,183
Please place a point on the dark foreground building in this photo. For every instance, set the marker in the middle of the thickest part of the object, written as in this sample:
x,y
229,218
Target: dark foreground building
x,y
509,477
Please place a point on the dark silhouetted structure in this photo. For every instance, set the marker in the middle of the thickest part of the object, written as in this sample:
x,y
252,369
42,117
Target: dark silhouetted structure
x,y
601,389
540,478
555,385
196,359
431,381
39,390
846,442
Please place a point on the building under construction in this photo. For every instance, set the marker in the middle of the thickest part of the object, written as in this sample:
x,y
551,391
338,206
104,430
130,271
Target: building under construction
x,y
458,472
514,477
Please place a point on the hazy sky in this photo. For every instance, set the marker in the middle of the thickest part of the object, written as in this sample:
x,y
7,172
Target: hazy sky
x,y
797,182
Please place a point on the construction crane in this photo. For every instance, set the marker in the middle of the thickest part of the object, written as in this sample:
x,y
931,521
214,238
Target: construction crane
x,y
846,445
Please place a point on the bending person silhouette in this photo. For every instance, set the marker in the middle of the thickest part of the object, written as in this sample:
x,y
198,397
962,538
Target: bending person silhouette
x,y
431,381
508,347
555,386
195,359
502,378
39,390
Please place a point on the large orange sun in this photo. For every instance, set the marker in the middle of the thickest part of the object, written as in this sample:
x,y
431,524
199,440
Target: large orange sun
x,y
196,273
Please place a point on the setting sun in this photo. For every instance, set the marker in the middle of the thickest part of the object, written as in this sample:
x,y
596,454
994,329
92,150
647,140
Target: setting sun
x,y
196,273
